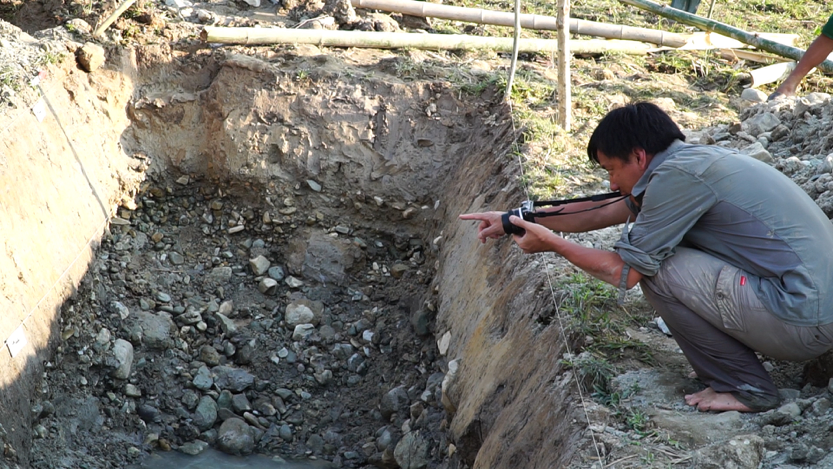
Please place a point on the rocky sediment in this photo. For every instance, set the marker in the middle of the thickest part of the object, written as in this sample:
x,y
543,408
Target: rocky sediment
x,y
208,321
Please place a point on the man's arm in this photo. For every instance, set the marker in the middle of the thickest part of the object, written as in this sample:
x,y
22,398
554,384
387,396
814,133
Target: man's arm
x,y
576,218
816,53
604,265
613,214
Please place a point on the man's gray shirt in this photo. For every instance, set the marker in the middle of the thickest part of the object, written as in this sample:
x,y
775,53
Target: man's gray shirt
x,y
741,211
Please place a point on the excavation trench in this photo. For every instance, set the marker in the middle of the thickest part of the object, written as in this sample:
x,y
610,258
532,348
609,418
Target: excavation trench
x,y
283,271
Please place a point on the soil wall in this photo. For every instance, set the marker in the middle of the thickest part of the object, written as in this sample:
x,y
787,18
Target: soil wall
x,y
62,171
512,395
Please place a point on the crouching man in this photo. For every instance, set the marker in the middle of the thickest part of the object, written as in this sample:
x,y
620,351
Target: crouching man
x,y
732,254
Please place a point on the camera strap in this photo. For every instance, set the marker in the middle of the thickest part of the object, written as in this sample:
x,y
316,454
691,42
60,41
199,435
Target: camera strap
x,y
527,211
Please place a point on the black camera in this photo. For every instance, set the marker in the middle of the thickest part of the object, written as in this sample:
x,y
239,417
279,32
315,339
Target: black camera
x,y
525,211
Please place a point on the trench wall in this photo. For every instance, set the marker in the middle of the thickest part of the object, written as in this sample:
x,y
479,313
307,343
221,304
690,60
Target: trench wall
x,y
62,172
430,156
513,398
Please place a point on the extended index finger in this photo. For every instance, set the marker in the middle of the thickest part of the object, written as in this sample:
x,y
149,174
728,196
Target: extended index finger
x,y
473,216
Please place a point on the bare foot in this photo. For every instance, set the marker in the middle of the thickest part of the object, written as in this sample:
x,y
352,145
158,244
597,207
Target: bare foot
x,y
693,375
709,400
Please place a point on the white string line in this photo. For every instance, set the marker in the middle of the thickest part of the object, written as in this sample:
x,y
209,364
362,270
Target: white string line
x,y
557,309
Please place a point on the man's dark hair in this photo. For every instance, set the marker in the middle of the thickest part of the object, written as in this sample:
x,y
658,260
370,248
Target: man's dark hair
x,y
640,125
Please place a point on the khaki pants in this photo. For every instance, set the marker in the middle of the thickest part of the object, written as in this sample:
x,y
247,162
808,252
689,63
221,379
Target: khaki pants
x,y
719,323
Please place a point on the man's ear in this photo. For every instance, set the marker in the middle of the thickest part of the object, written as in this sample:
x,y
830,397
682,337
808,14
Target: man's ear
x,y
642,157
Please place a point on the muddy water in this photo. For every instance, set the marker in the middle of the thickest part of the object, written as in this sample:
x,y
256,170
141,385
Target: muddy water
x,y
212,459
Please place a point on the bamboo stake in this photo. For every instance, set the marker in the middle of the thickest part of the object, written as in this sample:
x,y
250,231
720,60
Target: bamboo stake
x,y
516,40
499,18
380,40
726,30
113,17
564,97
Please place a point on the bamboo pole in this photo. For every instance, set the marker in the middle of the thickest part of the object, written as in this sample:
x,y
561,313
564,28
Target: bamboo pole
x,y
564,97
499,18
726,30
516,40
771,74
380,40
113,17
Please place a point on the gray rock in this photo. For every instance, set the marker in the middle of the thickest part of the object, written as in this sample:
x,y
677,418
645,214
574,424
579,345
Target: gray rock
x,y
394,401
176,258
827,164
420,320
209,355
102,339
757,151
267,286
298,313
276,272
203,380
147,412
398,270
240,403
226,325
342,351
246,353
232,379
754,96
412,451
316,443
194,448
790,166
285,432
123,353
190,317
156,330
323,258
314,185
235,437
324,378
788,394
218,276
740,452
131,390
760,123
302,331
779,132
384,438
293,282
260,265
120,309
205,414
784,415
190,399
357,364
327,332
